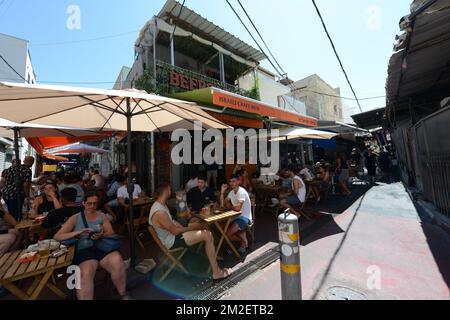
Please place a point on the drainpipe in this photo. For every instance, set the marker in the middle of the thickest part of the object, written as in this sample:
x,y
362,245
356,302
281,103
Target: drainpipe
x,y
172,48
222,67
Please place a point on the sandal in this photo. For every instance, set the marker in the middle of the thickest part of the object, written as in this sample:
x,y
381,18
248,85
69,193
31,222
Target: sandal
x,y
226,273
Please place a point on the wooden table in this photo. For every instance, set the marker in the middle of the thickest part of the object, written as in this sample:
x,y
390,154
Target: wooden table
x,y
11,270
27,224
141,202
215,219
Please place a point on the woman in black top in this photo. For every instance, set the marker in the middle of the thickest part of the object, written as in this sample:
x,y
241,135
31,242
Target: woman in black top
x,y
48,201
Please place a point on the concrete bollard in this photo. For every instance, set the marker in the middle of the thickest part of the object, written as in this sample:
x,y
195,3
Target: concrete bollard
x,y
291,288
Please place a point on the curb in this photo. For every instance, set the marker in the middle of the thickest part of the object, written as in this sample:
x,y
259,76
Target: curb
x,y
436,217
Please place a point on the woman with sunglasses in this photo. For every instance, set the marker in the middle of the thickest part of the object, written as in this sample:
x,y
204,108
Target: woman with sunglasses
x,y
88,229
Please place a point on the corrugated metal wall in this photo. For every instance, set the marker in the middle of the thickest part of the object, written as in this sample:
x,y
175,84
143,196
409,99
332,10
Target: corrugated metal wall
x,y
424,156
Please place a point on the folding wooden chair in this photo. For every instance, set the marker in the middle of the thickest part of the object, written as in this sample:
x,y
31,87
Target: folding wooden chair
x,y
170,255
138,222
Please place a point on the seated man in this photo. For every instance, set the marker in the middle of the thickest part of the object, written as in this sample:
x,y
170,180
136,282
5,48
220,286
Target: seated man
x,y
238,200
200,196
8,235
70,181
192,183
172,234
297,193
88,257
58,217
122,193
112,206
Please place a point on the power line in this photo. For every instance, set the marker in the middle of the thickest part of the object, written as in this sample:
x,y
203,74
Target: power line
x,y
259,34
267,57
12,68
336,53
251,35
83,40
346,98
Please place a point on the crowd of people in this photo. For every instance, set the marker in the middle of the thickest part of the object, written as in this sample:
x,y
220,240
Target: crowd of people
x,y
90,207
65,200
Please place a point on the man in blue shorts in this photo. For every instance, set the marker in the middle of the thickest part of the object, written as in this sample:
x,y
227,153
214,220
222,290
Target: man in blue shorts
x,y
238,200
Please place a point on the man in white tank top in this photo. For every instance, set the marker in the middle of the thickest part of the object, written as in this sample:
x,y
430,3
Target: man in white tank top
x,y
172,234
297,193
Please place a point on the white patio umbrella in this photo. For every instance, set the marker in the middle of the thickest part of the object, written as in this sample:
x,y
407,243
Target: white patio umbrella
x,y
27,130
101,109
304,133
76,148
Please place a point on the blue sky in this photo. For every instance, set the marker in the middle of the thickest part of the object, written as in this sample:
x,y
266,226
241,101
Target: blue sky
x,y
363,31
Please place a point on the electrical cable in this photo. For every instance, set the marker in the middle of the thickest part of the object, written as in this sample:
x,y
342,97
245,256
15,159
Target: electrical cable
x,y
12,68
336,53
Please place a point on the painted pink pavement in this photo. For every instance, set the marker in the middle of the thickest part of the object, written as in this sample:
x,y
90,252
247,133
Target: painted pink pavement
x,y
381,232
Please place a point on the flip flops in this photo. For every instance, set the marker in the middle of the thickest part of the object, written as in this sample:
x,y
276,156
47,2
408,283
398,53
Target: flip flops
x,y
226,272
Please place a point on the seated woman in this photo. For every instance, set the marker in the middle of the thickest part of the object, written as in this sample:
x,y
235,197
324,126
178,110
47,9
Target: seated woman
x,y
88,257
48,201
8,235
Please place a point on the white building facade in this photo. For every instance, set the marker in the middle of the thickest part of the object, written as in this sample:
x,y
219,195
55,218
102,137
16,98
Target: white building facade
x,y
15,66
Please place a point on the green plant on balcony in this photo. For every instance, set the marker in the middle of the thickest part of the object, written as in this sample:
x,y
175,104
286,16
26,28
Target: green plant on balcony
x,y
146,82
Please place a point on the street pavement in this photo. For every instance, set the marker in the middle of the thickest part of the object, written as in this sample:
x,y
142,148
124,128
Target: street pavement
x,y
381,247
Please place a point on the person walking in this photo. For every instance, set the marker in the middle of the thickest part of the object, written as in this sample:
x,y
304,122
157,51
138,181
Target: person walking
x,y
9,187
342,172
371,164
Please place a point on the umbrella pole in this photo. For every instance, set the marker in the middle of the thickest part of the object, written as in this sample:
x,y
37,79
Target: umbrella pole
x,y
19,184
130,187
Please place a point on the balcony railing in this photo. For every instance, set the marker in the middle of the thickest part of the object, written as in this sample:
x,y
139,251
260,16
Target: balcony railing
x,y
172,79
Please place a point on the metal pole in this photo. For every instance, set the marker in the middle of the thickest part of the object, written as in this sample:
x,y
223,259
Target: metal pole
x,y
222,67
172,50
152,161
291,288
155,31
19,182
130,187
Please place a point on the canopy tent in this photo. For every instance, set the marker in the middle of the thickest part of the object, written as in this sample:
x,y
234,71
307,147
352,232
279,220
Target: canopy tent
x,y
77,148
102,110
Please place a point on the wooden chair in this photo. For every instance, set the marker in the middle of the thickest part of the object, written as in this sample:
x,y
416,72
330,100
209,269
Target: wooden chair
x,y
172,255
138,223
